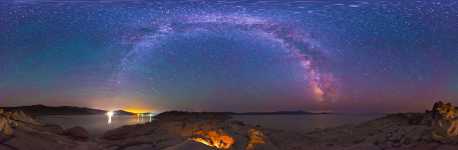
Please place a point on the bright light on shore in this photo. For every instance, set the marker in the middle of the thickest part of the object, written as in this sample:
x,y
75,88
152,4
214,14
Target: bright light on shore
x,y
109,115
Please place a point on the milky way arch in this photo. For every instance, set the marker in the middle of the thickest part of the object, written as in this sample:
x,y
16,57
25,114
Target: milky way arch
x,y
296,42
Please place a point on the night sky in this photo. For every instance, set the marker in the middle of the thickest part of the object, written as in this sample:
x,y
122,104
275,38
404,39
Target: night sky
x,y
244,55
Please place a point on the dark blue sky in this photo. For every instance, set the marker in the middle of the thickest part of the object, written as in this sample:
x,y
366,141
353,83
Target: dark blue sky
x,y
355,56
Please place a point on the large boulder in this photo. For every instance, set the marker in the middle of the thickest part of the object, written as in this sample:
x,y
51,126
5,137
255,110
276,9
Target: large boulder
x,y
20,116
77,133
444,120
257,140
5,127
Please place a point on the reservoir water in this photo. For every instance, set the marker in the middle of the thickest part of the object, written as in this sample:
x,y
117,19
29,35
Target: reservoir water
x,y
98,124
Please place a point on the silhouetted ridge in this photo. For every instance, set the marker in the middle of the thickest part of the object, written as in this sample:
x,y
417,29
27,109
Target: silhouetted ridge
x,y
39,110
298,112
123,112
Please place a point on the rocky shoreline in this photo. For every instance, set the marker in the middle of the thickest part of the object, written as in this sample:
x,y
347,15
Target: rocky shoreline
x,y
436,129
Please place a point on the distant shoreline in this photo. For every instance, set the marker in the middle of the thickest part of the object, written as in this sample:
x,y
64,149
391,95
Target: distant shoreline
x,y
43,110
281,113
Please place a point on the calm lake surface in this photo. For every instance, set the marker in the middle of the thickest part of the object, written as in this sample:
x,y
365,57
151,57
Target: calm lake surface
x,y
98,124
304,122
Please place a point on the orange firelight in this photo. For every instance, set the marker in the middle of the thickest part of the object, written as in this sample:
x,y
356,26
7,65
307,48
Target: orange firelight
x,y
214,139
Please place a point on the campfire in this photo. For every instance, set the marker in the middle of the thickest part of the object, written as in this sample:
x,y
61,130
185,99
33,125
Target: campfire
x,y
214,139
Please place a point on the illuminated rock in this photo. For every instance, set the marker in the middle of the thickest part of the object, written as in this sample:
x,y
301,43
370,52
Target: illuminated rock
x,y
445,120
22,117
5,127
444,111
256,137
10,120
217,139
21,132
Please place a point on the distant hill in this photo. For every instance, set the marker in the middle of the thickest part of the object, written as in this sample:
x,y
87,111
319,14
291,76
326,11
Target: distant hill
x,y
123,112
42,110
299,112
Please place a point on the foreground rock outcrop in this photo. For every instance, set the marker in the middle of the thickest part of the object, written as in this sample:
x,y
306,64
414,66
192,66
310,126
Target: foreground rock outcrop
x,y
432,130
77,133
444,120
9,120
435,129
182,130
19,131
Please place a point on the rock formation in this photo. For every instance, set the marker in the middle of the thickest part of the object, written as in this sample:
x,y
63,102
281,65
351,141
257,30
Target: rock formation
x,y
18,131
77,133
10,120
433,130
172,130
445,120
213,138
257,141
5,125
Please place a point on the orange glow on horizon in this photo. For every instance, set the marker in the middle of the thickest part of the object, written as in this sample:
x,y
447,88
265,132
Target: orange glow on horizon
x,y
134,105
138,110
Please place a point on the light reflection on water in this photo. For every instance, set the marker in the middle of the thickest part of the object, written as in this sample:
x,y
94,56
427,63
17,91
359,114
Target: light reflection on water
x,y
110,116
145,117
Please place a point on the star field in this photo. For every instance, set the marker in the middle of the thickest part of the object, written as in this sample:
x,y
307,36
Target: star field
x,y
347,56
